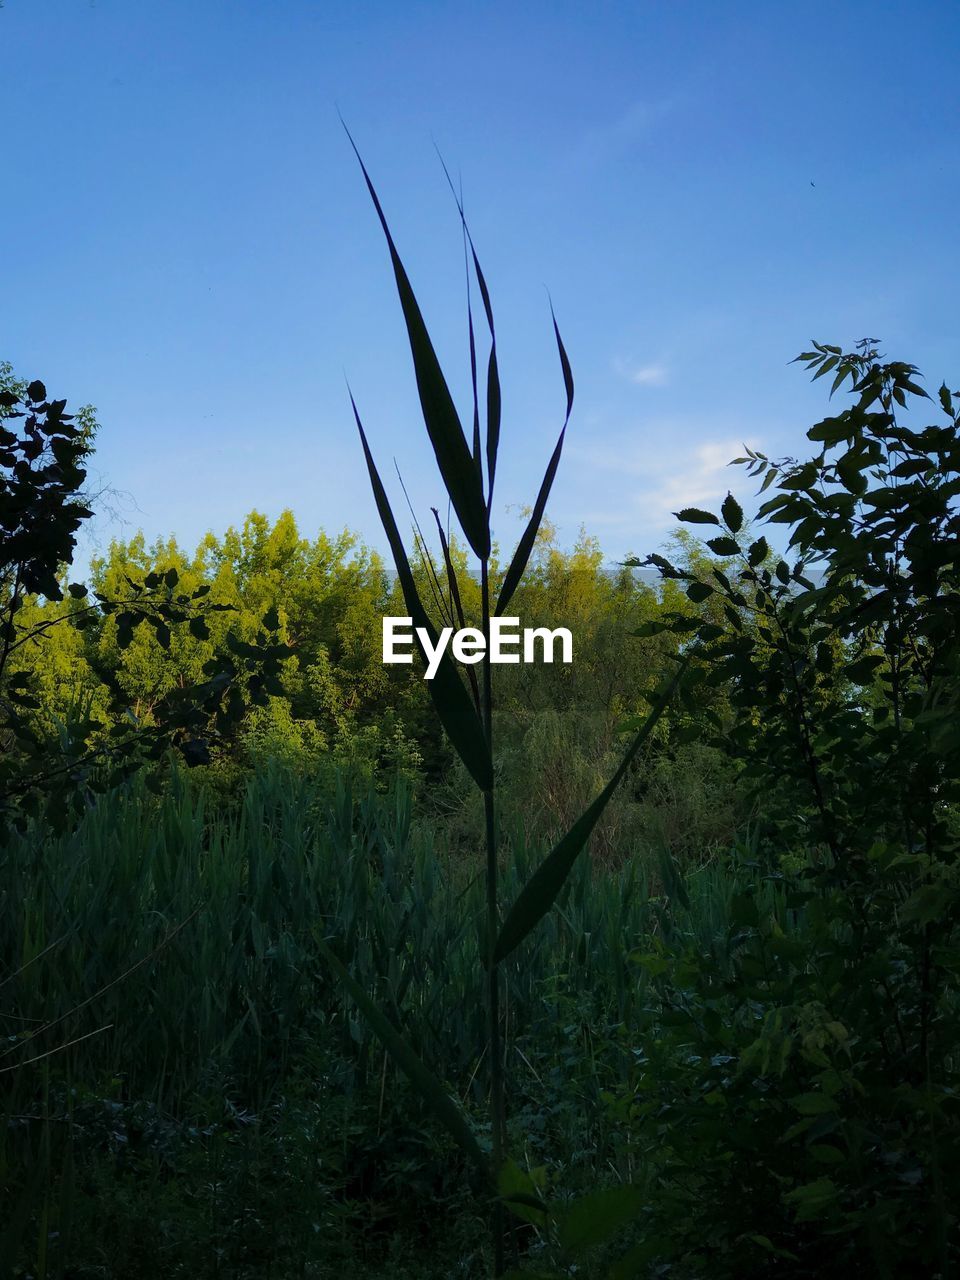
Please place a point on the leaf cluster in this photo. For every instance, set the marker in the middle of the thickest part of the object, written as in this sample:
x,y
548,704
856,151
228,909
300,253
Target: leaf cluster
x,y
41,509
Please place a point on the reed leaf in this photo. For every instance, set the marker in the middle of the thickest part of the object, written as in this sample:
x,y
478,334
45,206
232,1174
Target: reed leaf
x,y
457,713
457,466
423,1080
456,604
540,892
493,372
522,554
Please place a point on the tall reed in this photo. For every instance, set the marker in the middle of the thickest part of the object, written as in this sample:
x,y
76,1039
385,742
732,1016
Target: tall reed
x,y
468,472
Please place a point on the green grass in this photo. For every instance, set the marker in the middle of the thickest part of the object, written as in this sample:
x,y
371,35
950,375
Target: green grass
x,y
218,1084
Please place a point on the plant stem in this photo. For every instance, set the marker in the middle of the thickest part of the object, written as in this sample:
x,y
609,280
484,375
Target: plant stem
x,y
497,1115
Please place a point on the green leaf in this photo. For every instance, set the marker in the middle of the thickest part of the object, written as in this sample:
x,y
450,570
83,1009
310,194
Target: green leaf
x,y
862,671
813,1104
517,1188
671,877
564,365
460,474
927,904
454,707
823,1153
522,554
767,1244
914,389
843,372
493,372
428,1086
493,418
493,375
758,552
693,515
540,892
732,513
594,1218
850,472
724,546
832,430
652,627
699,591
813,1199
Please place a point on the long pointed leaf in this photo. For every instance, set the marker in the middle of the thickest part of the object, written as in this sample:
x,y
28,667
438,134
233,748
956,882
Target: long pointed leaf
x,y
493,372
522,554
420,544
457,466
564,365
540,892
473,384
452,585
456,603
457,713
493,419
423,1080
473,343
493,379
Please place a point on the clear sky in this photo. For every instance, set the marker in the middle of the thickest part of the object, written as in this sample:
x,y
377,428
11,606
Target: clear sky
x,y
703,187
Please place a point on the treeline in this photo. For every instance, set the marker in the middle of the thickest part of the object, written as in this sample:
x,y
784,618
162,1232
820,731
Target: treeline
x,y
337,704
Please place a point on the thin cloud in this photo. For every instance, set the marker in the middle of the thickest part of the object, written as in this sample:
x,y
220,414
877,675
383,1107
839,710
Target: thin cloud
x,y
702,476
682,474
632,126
654,374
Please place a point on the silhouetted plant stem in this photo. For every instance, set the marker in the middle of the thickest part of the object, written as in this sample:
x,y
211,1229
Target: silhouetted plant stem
x,y
497,1114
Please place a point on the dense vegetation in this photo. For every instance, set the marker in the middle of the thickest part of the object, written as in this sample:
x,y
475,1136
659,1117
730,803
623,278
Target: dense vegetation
x,y
243,898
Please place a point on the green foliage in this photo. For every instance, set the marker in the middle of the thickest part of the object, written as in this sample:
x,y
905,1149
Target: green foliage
x,y
203,1067
229,1010
55,764
541,890
689,1055
802,1071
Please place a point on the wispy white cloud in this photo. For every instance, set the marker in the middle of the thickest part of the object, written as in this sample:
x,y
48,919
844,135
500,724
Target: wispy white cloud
x,y
673,470
653,374
701,475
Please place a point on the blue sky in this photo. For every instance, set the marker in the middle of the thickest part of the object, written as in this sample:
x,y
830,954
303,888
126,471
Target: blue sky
x,y
703,187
